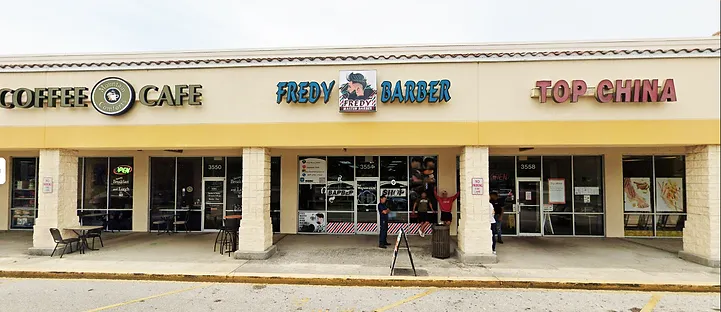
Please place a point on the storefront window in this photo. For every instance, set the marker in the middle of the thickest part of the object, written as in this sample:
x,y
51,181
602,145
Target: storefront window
x,y
214,167
107,192
341,169
180,192
572,192
528,166
23,208
189,191
339,194
557,203
234,186
340,191
366,166
502,180
394,184
588,195
274,192
654,189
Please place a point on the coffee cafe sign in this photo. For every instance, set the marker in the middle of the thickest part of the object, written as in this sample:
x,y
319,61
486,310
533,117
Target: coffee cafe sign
x,y
606,91
111,96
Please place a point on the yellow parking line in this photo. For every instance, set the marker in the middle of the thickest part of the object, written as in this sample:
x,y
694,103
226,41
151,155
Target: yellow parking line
x,y
651,303
409,299
148,298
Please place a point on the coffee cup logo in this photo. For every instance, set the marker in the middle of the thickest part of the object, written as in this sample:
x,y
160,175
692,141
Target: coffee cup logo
x,y
112,96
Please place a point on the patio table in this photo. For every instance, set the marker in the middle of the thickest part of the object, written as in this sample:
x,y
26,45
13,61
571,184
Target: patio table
x,y
82,231
168,218
94,215
235,230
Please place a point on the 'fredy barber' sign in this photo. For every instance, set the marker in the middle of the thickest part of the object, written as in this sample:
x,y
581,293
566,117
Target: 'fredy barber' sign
x,y
607,91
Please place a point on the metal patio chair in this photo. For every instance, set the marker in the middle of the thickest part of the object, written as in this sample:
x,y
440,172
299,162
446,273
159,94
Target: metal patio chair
x,y
59,240
183,222
96,234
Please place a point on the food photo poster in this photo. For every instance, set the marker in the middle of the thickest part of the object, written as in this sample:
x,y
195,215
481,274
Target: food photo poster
x,y
637,194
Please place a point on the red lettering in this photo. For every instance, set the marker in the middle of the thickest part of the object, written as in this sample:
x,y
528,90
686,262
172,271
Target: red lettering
x,y
650,90
623,91
668,93
542,86
561,91
579,88
636,91
602,94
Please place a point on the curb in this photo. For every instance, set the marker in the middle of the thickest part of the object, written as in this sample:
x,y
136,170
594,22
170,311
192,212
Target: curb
x,y
369,282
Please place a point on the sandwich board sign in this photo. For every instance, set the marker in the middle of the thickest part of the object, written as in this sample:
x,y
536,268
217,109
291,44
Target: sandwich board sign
x,y
395,251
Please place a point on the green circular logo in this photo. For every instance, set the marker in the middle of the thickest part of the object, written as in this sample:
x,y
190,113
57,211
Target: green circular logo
x,y
112,96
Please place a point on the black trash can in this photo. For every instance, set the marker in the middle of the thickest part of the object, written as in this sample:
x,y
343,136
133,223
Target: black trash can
x,y
441,242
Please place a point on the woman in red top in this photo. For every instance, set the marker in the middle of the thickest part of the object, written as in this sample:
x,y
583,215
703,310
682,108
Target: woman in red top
x,y
445,203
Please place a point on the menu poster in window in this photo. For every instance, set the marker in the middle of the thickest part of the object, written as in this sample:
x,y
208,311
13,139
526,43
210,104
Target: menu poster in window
x,y
637,194
669,194
312,171
213,192
120,181
557,191
236,186
312,222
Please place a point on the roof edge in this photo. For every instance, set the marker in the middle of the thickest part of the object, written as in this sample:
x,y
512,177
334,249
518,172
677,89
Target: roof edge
x,y
591,50
289,52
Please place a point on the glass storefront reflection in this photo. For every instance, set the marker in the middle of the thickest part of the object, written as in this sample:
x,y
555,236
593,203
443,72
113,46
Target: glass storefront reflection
x,y
203,190
571,194
346,189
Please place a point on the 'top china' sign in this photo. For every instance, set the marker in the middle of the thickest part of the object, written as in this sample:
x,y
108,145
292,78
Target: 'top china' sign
x,y
606,91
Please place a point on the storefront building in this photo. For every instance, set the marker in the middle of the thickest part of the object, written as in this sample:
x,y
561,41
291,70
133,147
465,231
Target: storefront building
x,y
596,139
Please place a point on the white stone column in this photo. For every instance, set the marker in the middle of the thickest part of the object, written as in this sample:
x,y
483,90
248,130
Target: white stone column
x,y
474,231
58,207
701,231
256,229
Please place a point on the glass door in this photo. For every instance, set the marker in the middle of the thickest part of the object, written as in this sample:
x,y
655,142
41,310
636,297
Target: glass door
x,y
213,203
529,207
366,215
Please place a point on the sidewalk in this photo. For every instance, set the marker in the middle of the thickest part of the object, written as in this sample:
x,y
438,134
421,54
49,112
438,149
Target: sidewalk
x,y
589,263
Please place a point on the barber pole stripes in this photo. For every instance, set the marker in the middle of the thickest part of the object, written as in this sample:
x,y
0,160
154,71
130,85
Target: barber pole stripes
x,y
367,227
393,228
410,228
340,228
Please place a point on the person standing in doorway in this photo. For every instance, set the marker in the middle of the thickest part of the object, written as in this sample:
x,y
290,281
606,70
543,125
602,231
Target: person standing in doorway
x,y
494,228
424,210
497,213
445,204
383,213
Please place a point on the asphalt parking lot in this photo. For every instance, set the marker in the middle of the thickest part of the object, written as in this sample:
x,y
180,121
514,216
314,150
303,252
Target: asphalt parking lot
x,y
113,295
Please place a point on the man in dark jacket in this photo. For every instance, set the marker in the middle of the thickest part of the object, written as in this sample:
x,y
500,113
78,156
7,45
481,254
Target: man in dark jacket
x,y
383,213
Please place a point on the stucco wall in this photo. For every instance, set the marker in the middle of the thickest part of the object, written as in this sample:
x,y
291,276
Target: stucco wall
x,y
480,92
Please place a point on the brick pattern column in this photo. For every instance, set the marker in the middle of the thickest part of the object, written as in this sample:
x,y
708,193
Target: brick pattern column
x,y
256,229
474,231
57,209
701,231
